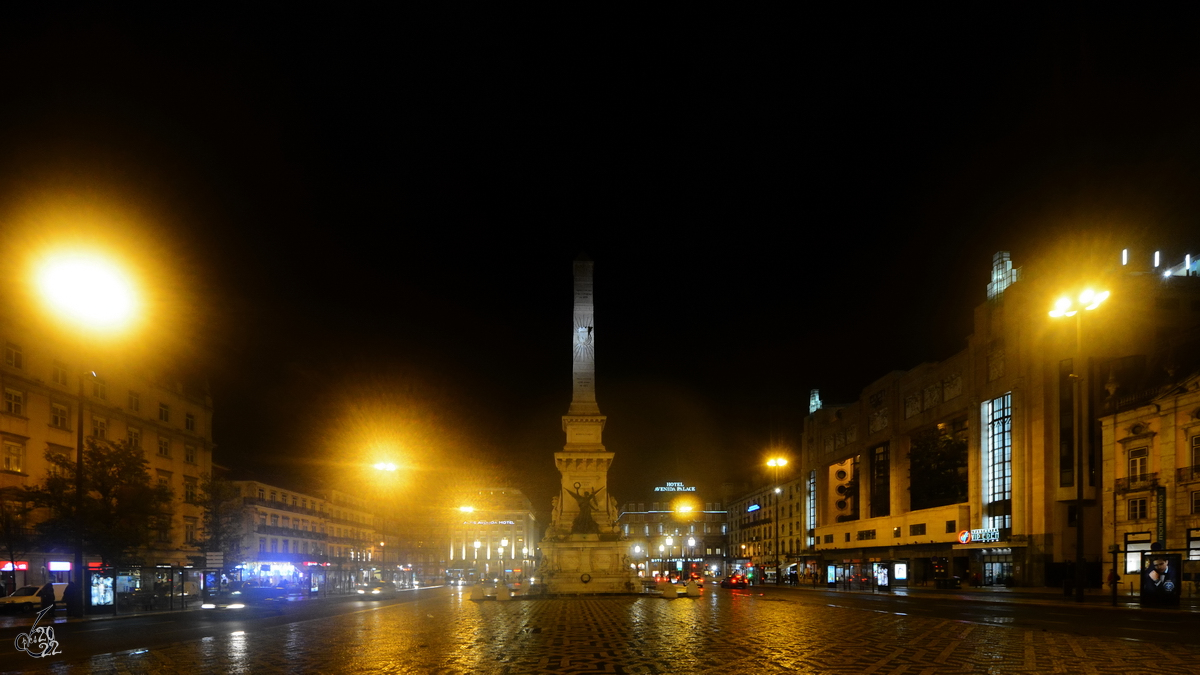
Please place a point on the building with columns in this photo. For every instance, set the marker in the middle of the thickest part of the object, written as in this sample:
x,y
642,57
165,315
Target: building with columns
x,y
493,536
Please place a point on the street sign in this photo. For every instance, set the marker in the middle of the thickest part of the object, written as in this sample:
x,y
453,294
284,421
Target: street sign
x,y
214,559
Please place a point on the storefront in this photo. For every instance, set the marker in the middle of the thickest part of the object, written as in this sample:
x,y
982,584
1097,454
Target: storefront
x,y
991,560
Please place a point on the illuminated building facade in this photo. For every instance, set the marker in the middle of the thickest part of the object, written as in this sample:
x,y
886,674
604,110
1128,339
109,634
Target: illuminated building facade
x,y
1152,448
679,534
170,421
757,547
495,539
968,467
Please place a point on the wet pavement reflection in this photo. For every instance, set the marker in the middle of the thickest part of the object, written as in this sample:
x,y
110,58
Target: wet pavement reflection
x,y
721,632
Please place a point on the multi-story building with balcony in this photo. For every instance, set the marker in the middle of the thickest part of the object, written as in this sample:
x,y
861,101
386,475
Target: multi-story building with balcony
x,y
1152,449
766,532
284,537
47,384
675,533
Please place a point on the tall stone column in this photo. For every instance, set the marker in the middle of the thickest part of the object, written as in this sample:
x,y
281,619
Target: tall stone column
x,y
584,462
583,552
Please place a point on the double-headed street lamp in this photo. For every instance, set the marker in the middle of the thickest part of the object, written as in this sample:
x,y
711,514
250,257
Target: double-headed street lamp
x,y
1066,307
776,463
96,296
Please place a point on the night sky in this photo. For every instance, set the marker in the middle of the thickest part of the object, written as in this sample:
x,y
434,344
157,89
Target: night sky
x,y
368,220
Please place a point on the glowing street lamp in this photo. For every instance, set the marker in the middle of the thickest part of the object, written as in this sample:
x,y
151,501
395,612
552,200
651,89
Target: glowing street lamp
x,y
96,296
777,463
1063,308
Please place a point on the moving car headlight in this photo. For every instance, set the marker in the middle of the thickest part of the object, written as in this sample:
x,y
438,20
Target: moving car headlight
x,y
237,606
208,605
375,591
361,592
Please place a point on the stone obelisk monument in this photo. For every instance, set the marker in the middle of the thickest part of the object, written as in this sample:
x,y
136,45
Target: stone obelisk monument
x,y
583,552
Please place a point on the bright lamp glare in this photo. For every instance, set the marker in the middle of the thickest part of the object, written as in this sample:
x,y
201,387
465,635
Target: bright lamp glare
x,y
385,466
88,289
1097,299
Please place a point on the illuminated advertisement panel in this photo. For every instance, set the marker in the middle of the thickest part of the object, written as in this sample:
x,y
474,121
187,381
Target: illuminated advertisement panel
x,y
1160,578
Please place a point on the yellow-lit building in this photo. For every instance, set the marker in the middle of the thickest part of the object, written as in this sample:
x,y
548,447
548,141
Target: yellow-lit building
x,y
493,535
1152,450
675,533
170,420
967,467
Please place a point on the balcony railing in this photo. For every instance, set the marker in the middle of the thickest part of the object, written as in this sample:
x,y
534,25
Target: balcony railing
x,y
282,506
1188,474
289,532
1144,481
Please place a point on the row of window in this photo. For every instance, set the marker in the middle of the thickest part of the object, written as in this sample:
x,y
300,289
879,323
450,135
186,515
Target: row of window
x,y
301,547
914,530
303,503
14,357
1139,459
304,525
1136,509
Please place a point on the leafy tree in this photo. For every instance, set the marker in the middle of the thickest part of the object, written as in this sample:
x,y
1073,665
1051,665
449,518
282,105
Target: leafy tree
x,y
223,518
937,468
15,536
122,507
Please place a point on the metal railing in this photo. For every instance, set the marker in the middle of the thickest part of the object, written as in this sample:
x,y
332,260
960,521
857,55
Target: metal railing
x,y
1144,481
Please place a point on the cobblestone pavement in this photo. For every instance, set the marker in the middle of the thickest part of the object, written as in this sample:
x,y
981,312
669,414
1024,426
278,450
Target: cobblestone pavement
x,y
722,633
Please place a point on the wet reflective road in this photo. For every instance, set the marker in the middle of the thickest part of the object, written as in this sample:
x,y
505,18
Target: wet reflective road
x,y
724,631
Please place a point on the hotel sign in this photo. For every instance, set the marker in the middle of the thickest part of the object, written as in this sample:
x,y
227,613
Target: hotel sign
x,y
675,487
981,536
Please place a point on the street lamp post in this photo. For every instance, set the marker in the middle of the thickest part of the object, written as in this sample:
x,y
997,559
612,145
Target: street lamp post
x,y
692,546
670,553
94,294
776,463
1065,307
503,545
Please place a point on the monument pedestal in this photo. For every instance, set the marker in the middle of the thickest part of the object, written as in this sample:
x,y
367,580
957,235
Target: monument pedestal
x,y
583,564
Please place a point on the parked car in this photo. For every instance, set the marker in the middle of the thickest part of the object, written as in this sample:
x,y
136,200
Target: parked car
x,y
734,581
23,599
26,598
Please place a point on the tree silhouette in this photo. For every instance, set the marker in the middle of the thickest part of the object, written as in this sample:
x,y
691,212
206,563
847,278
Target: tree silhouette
x,y
122,508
